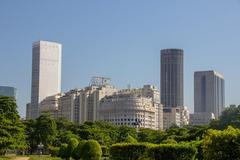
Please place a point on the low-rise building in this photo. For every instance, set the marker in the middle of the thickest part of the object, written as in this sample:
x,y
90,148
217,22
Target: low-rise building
x,y
201,118
184,116
51,105
133,107
171,117
175,116
78,105
101,101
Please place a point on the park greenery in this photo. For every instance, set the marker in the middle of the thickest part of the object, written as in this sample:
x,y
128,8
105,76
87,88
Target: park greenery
x,y
220,140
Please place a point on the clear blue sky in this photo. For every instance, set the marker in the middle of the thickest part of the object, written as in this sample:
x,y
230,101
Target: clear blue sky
x,y
121,40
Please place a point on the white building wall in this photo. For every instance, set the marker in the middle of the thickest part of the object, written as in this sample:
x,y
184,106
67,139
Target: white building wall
x,y
46,72
128,106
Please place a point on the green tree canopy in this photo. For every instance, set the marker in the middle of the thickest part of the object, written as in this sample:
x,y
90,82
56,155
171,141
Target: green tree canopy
x,y
222,145
45,130
91,150
230,116
11,128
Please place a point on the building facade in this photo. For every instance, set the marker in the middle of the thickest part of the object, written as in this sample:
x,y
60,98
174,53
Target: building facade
x,y
172,77
46,73
209,92
201,118
133,107
171,117
77,105
51,105
178,116
8,91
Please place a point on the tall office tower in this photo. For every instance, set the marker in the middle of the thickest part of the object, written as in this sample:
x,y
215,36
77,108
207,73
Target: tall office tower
x,y
46,72
8,91
209,92
172,77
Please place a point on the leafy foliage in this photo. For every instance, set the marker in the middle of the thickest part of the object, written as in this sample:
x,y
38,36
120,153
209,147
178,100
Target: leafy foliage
x,y
63,152
173,152
230,116
45,129
141,151
128,151
91,150
54,151
11,128
73,143
78,152
222,145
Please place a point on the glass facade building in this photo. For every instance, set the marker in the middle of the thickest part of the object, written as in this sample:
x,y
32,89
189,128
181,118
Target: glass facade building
x,y
209,92
8,91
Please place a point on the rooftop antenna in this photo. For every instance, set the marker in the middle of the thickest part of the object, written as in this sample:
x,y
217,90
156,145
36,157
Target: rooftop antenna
x,y
100,81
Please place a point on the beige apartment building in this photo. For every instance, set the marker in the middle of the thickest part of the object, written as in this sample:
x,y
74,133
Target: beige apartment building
x,y
133,107
77,105
175,116
51,105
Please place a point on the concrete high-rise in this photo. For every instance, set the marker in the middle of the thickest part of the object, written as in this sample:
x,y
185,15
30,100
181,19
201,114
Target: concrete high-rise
x,y
209,92
46,73
172,77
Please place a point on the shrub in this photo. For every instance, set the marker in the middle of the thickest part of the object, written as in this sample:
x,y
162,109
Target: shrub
x,y
77,152
105,151
91,150
63,151
72,144
169,141
128,151
54,151
130,139
172,152
198,145
222,145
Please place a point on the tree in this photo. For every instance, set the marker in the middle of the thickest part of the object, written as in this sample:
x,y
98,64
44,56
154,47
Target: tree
x,y
152,136
11,128
32,138
222,145
91,150
78,152
64,137
73,143
130,139
63,151
230,116
124,131
45,130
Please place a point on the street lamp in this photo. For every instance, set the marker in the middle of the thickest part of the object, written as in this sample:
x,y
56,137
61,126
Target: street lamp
x,y
40,148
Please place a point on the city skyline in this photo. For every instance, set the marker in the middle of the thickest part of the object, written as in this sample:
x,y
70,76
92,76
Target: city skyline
x,y
126,55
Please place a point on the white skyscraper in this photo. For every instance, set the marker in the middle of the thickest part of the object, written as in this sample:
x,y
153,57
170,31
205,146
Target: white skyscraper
x,y
46,72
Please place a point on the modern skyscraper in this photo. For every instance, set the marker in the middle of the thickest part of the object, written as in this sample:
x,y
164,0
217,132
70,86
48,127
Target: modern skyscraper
x,y
209,92
8,91
172,77
46,72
